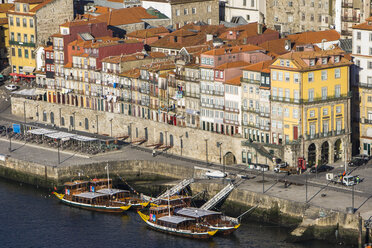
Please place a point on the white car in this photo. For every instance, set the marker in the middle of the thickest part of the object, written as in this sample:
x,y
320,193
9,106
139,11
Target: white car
x,y
215,174
11,87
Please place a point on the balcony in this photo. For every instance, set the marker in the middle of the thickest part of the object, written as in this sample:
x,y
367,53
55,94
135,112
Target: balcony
x,y
92,67
367,121
19,43
313,100
184,78
365,85
250,81
350,19
325,134
347,5
234,110
231,122
58,48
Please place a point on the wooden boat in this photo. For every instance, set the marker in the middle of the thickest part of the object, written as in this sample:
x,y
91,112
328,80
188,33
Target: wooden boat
x,y
186,227
175,201
211,219
77,194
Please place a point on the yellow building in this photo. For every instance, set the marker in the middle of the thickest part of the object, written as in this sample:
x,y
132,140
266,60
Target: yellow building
x,y
311,104
4,32
22,34
31,23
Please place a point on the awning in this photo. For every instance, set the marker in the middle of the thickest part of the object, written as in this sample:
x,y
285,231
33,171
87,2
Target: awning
x,y
14,74
41,131
60,135
83,138
29,76
28,69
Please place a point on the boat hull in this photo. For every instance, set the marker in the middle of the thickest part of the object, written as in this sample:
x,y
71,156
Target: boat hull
x,y
98,208
177,232
225,230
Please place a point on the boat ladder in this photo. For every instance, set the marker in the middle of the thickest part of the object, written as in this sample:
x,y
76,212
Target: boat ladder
x,y
218,197
177,188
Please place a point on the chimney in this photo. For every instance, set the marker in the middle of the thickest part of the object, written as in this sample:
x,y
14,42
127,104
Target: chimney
x,y
259,28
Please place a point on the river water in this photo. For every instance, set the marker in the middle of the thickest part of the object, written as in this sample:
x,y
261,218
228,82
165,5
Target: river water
x,y
31,217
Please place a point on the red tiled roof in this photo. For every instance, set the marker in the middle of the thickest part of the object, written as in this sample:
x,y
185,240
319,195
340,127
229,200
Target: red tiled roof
x,y
146,33
259,67
134,73
80,22
365,25
312,37
234,49
232,65
5,7
124,16
234,81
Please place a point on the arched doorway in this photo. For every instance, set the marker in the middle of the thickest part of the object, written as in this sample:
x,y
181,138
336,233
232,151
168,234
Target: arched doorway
x,y
325,153
229,158
161,141
86,123
311,154
338,150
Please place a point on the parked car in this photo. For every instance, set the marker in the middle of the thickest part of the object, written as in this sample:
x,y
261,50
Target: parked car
x,y
11,87
364,157
321,168
356,162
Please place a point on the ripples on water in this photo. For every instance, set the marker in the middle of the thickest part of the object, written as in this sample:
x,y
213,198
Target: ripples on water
x,y
31,217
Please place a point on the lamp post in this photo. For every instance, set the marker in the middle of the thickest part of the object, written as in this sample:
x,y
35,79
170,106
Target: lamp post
x,y
74,121
10,140
181,144
111,127
206,150
59,158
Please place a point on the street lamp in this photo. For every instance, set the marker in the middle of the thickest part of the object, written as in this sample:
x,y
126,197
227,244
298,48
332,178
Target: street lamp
x,y
181,144
111,127
206,150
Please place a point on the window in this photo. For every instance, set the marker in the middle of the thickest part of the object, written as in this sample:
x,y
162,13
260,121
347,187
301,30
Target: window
x,y
370,51
244,2
370,37
18,37
252,3
338,109
296,95
209,21
31,23
209,8
303,17
290,18
274,75
20,52
312,17
18,7
32,54
319,18
325,111
13,52
337,59
290,3
312,62
324,61
193,11
18,22
12,36
337,90
25,8
324,75
311,77
359,35
286,112
295,113
24,22
248,17
369,64
358,50
185,11
47,55
287,94
32,38
280,76
312,113
25,40
286,76
296,78
177,12
337,73
11,21
311,95
324,93
26,53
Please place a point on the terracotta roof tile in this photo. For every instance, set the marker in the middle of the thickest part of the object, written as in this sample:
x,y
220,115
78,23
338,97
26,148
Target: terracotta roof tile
x,y
48,48
297,59
234,49
124,16
234,81
41,5
232,65
259,67
275,46
132,57
134,73
312,37
146,33
5,7
3,21
80,22
365,25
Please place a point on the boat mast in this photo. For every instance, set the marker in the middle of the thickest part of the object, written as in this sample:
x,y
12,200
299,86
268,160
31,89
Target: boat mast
x,y
108,177
168,205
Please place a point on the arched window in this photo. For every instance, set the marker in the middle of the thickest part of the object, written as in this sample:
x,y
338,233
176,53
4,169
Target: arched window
x,y
52,117
171,140
44,116
86,123
161,141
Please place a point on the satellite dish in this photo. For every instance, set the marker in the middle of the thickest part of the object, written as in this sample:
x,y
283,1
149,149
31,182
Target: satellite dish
x,y
286,47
